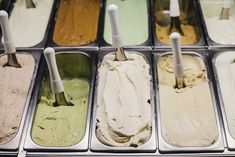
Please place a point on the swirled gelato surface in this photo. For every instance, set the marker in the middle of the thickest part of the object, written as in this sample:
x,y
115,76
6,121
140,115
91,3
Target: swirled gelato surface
x,y
123,102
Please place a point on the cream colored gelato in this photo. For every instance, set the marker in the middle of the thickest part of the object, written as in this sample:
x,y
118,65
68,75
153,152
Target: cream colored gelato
x,y
28,25
123,102
220,31
14,86
225,67
187,115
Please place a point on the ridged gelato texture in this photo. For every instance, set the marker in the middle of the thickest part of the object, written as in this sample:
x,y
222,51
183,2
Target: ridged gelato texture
x,y
14,88
63,126
187,115
220,31
28,25
123,117
133,17
188,20
225,68
76,22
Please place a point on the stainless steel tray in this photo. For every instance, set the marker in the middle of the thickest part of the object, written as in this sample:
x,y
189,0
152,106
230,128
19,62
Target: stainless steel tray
x,y
218,146
211,43
196,23
14,143
30,145
150,145
41,44
230,140
146,45
93,45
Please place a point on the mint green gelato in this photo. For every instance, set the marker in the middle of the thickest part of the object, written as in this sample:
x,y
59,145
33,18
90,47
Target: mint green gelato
x,y
133,17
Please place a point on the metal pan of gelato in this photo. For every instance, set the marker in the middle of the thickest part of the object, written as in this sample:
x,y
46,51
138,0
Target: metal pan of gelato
x,y
134,17
30,25
16,86
76,23
64,128
224,71
220,32
189,21
123,114
187,117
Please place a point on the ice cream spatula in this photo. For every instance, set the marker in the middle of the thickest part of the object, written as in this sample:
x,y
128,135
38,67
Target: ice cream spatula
x,y
7,40
177,60
56,83
175,17
225,10
116,33
30,4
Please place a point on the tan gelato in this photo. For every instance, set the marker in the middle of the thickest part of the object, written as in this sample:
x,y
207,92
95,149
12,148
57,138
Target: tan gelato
x,y
14,86
189,37
188,20
76,22
187,115
123,102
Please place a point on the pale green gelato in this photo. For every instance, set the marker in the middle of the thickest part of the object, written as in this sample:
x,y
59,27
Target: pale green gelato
x,y
63,125
133,17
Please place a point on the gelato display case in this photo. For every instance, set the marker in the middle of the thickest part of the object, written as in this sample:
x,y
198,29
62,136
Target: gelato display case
x,y
118,68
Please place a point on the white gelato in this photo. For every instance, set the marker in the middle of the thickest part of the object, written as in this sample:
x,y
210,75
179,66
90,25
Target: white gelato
x,y
220,31
225,67
123,101
187,115
28,25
